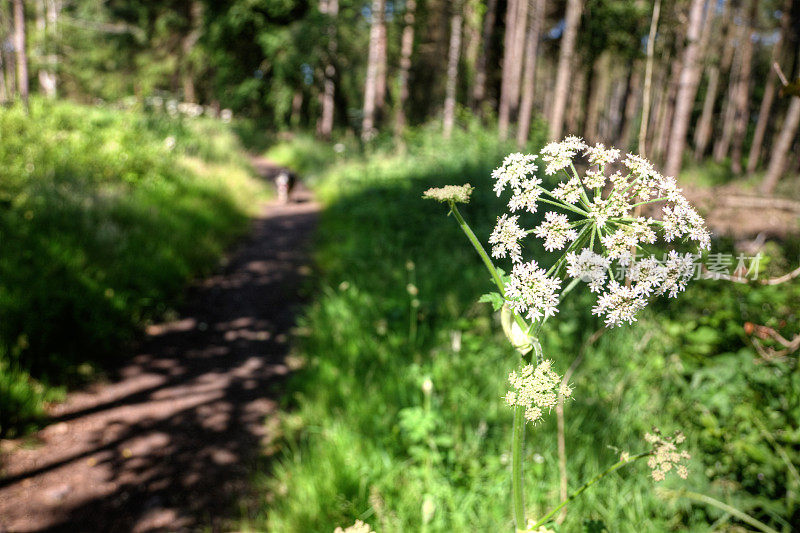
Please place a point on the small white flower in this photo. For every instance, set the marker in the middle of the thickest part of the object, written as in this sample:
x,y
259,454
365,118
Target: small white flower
x,y
556,231
505,238
598,155
514,171
526,196
589,267
536,388
678,270
531,292
558,155
594,179
619,304
569,191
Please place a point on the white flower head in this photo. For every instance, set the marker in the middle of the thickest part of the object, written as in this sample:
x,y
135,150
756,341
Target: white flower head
x,y
620,303
505,238
531,292
589,267
559,155
526,195
556,231
594,179
569,191
514,171
536,388
599,155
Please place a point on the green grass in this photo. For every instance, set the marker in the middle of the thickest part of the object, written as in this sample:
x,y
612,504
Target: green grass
x,y
106,215
362,440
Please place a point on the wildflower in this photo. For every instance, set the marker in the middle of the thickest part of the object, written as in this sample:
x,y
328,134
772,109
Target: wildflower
x,y
665,455
558,155
620,303
358,527
589,267
598,155
513,172
569,192
450,193
531,292
556,231
624,457
678,270
535,389
526,195
505,238
594,179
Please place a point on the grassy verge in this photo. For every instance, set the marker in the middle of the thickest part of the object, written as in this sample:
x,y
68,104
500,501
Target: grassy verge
x,y
106,215
366,437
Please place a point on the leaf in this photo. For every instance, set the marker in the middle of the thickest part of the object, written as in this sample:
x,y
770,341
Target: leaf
x,y
493,298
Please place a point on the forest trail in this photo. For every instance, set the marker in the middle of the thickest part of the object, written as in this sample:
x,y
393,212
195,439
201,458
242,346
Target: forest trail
x,y
167,444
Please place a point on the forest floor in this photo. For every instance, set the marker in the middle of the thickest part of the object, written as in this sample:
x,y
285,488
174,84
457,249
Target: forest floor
x,y
167,442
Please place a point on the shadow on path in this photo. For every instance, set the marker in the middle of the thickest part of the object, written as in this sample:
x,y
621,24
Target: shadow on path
x,y
167,445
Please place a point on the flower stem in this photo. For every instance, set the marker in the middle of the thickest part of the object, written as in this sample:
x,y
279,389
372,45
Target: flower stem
x,y
517,445
595,479
478,248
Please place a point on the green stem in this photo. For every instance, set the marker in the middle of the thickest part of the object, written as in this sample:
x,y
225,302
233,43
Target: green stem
x,y
595,479
478,248
744,517
517,444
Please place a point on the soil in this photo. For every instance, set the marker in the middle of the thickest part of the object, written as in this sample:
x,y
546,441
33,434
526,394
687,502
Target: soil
x,y
169,443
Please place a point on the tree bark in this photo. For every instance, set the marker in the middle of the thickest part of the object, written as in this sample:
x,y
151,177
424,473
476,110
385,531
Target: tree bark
x,y
648,78
597,96
567,49
325,125
769,93
22,55
742,100
723,144
373,65
780,152
687,88
187,45
632,103
704,127
479,89
529,74
452,70
576,103
516,16
406,49
666,111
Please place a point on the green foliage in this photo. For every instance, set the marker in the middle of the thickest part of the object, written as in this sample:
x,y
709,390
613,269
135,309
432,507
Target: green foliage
x,y
369,437
102,225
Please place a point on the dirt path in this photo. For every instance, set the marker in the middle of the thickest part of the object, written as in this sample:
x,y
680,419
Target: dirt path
x,y
167,444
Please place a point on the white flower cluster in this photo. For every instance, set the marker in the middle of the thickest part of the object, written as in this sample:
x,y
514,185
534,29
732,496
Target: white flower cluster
x,y
358,527
666,456
535,389
599,224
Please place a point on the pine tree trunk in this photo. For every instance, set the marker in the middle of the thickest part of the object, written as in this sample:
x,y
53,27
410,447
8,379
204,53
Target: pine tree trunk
x,y
666,111
632,104
576,103
380,80
742,101
769,93
644,123
22,55
512,64
187,45
780,152
723,144
325,125
597,96
479,89
406,49
373,60
452,71
529,74
687,89
567,49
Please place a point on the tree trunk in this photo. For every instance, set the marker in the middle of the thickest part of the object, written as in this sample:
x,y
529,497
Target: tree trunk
x,y
4,95
380,80
597,96
723,144
576,103
187,45
632,103
512,64
325,125
704,127
22,55
373,60
567,49
648,78
479,90
742,101
769,93
666,111
406,49
780,152
687,89
452,71
529,75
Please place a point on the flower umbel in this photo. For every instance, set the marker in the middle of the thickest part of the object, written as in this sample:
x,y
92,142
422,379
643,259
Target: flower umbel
x,y
596,228
666,457
358,527
450,193
536,389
